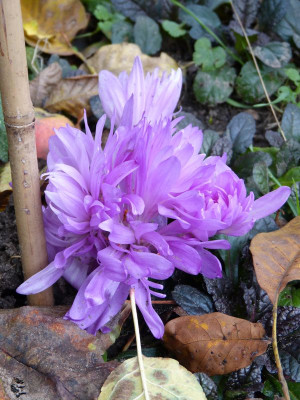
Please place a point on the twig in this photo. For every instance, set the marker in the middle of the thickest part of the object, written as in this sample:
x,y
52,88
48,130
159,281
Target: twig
x,y
258,71
138,344
19,121
281,377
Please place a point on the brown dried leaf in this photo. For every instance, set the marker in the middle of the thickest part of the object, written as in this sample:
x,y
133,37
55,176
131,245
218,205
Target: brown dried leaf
x,y
120,57
276,257
41,86
73,94
65,359
53,24
216,343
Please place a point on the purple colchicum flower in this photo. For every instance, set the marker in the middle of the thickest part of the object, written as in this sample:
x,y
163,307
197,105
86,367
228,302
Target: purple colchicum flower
x,y
128,214
153,97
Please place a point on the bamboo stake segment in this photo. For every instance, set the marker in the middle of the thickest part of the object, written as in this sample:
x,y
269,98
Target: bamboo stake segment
x,y
19,120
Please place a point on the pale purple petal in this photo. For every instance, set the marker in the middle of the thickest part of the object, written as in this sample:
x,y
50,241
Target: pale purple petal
x,y
270,202
41,280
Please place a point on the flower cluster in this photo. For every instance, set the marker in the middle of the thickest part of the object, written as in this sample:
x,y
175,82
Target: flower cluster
x,y
126,215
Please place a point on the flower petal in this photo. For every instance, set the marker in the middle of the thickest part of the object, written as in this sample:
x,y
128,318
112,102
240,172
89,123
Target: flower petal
x,y
270,202
41,281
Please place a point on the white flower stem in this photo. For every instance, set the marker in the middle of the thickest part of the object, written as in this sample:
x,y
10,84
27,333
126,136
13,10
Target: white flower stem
x,y
138,344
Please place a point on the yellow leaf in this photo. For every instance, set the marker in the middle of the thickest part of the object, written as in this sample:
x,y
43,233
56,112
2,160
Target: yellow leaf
x,y
166,380
52,24
120,57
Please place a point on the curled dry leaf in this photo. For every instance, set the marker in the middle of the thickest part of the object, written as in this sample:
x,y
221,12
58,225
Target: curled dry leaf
x,y
41,86
53,358
52,24
166,380
120,57
72,95
216,343
276,257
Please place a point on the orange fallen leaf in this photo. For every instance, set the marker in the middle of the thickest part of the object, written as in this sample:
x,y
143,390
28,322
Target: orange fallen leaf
x,y
45,124
215,343
276,257
53,24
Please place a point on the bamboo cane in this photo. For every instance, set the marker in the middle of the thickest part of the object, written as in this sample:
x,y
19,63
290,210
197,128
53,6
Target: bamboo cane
x,y
19,120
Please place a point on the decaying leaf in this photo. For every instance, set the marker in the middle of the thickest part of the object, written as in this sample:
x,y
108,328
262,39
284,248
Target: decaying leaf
x,y
120,57
166,380
45,123
5,188
214,343
72,94
53,24
41,86
276,257
66,359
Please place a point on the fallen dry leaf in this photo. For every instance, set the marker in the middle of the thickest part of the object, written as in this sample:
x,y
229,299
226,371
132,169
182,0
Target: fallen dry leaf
x,y
120,57
216,343
41,86
52,357
72,95
166,380
5,188
276,257
52,24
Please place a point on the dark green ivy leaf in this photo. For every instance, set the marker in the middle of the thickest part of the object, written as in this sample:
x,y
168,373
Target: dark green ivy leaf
x,y
205,15
221,146
146,35
3,137
241,130
288,28
274,138
290,360
209,139
288,156
271,13
213,87
158,9
121,31
274,54
208,385
247,10
192,300
189,118
291,122
248,84
261,177
244,164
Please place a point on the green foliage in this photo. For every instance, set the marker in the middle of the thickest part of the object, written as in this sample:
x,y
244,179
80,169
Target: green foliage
x,y
107,17
204,14
173,28
210,58
289,94
290,296
241,130
146,35
248,84
213,87
274,54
